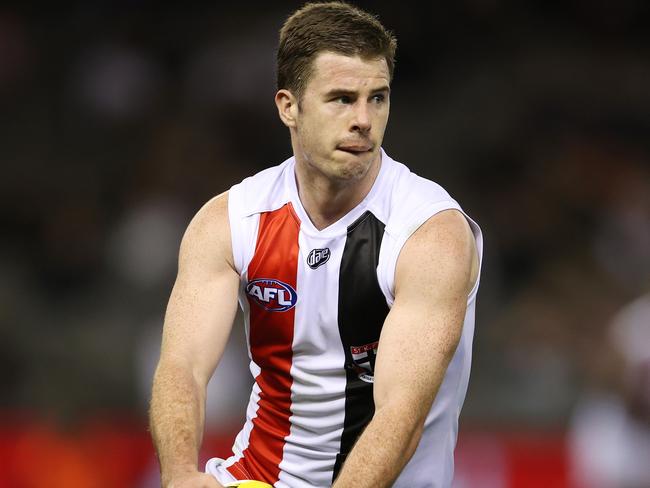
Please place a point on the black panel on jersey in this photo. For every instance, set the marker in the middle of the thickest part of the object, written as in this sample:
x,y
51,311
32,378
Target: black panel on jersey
x,y
362,311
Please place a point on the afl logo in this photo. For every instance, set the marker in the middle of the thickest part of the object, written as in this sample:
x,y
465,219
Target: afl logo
x,y
318,257
272,295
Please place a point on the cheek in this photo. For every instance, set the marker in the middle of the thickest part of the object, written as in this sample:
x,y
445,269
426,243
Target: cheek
x,y
381,113
381,121
313,134
321,129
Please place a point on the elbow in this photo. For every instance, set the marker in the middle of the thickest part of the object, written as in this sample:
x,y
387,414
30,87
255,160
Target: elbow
x,y
171,376
178,369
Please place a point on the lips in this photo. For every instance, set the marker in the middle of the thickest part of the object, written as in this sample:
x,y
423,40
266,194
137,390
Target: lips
x,y
355,148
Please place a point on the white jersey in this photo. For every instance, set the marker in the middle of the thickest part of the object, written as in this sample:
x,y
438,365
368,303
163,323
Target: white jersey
x,y
314,304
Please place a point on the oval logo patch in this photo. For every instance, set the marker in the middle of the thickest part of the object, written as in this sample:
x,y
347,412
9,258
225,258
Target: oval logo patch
x,y
272,295
318,257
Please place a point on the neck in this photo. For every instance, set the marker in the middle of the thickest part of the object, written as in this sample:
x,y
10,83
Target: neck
x,y
326,200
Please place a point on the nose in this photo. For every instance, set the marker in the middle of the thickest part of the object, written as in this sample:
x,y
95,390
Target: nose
x,y
361,120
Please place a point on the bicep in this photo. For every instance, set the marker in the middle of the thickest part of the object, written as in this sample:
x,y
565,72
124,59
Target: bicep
x,y
203,302
434,274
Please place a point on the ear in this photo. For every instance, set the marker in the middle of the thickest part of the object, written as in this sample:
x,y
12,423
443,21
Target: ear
x,y
287,105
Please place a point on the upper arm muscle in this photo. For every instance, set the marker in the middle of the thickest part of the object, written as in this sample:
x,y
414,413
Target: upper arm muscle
x,y
435,272
203,302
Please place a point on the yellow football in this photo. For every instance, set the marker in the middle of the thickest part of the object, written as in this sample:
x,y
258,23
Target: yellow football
x,y
248,484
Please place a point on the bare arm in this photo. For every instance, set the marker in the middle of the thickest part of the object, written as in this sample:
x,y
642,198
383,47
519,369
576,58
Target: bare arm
x,y
435,272
198,321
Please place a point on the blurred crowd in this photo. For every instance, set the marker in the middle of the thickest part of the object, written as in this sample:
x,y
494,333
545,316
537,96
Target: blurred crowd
x,y
120,119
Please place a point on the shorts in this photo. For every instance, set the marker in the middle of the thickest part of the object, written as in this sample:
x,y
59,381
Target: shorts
x,y
215,467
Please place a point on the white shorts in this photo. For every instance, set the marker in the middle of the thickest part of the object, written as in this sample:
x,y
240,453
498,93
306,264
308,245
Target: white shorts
x,y
215,467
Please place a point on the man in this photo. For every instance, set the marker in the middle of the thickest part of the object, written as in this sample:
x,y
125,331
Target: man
x,y
357,279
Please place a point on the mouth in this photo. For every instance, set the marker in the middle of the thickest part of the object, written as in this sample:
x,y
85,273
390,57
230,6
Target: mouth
x,y
355,148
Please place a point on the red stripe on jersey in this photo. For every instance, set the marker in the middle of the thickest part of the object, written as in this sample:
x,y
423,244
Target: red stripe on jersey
x,y
271,338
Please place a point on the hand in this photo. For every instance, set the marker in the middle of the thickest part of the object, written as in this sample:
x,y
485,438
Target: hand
x,y
194,480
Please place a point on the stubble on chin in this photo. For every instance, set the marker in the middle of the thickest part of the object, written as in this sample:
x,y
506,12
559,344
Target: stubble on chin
x,y
354,170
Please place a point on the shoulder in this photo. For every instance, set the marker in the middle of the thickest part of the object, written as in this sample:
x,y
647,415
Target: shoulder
x,y
412,199
415,205
415,188
207,239
264,191
442,250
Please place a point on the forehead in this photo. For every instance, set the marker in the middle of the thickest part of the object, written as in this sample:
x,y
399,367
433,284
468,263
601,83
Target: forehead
x,y
333,70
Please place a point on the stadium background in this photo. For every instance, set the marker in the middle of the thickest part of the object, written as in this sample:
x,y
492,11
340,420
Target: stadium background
x,y
119,119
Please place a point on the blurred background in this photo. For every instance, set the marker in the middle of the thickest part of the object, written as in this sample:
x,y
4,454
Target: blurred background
x,y
118,120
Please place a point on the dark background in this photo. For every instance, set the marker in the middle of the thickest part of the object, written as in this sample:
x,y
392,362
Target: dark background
x,y
118,120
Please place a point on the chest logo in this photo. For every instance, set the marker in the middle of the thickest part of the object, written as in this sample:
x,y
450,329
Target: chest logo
x,y
318,257
272,295
363,359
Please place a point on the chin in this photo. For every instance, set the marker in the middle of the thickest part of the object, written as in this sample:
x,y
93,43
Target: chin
x,y
353,167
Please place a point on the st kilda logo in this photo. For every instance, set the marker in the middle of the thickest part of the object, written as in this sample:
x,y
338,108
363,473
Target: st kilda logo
x,y
363,361
272,295
318,257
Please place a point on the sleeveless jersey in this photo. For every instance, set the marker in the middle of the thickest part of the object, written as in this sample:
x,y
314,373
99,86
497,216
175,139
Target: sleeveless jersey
x,y
314,304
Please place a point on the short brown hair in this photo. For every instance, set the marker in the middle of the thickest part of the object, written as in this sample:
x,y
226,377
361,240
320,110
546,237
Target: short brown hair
x,y
332,26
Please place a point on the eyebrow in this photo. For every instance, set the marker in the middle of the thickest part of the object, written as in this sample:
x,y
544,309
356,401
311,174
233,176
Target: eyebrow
x,y
339,92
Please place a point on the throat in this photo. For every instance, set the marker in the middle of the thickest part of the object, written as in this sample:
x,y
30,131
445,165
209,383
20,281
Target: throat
x,y
326,201
326,209
327,198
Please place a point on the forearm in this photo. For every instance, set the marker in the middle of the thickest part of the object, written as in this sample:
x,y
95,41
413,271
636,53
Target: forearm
x,y
176,419
383,449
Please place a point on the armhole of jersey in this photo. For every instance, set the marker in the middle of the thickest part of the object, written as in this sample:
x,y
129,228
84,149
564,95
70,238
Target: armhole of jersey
x,y
234,217
478,238
243,230
396,238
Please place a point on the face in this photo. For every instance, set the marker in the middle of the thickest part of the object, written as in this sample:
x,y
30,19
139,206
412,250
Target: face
x,y
338,125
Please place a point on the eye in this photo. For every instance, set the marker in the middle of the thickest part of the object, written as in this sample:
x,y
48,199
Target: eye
x,y
344,99
379,98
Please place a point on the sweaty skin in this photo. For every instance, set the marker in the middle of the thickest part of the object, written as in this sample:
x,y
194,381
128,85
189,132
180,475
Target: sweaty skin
x,y
436,271
198,321
336,132
337,127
